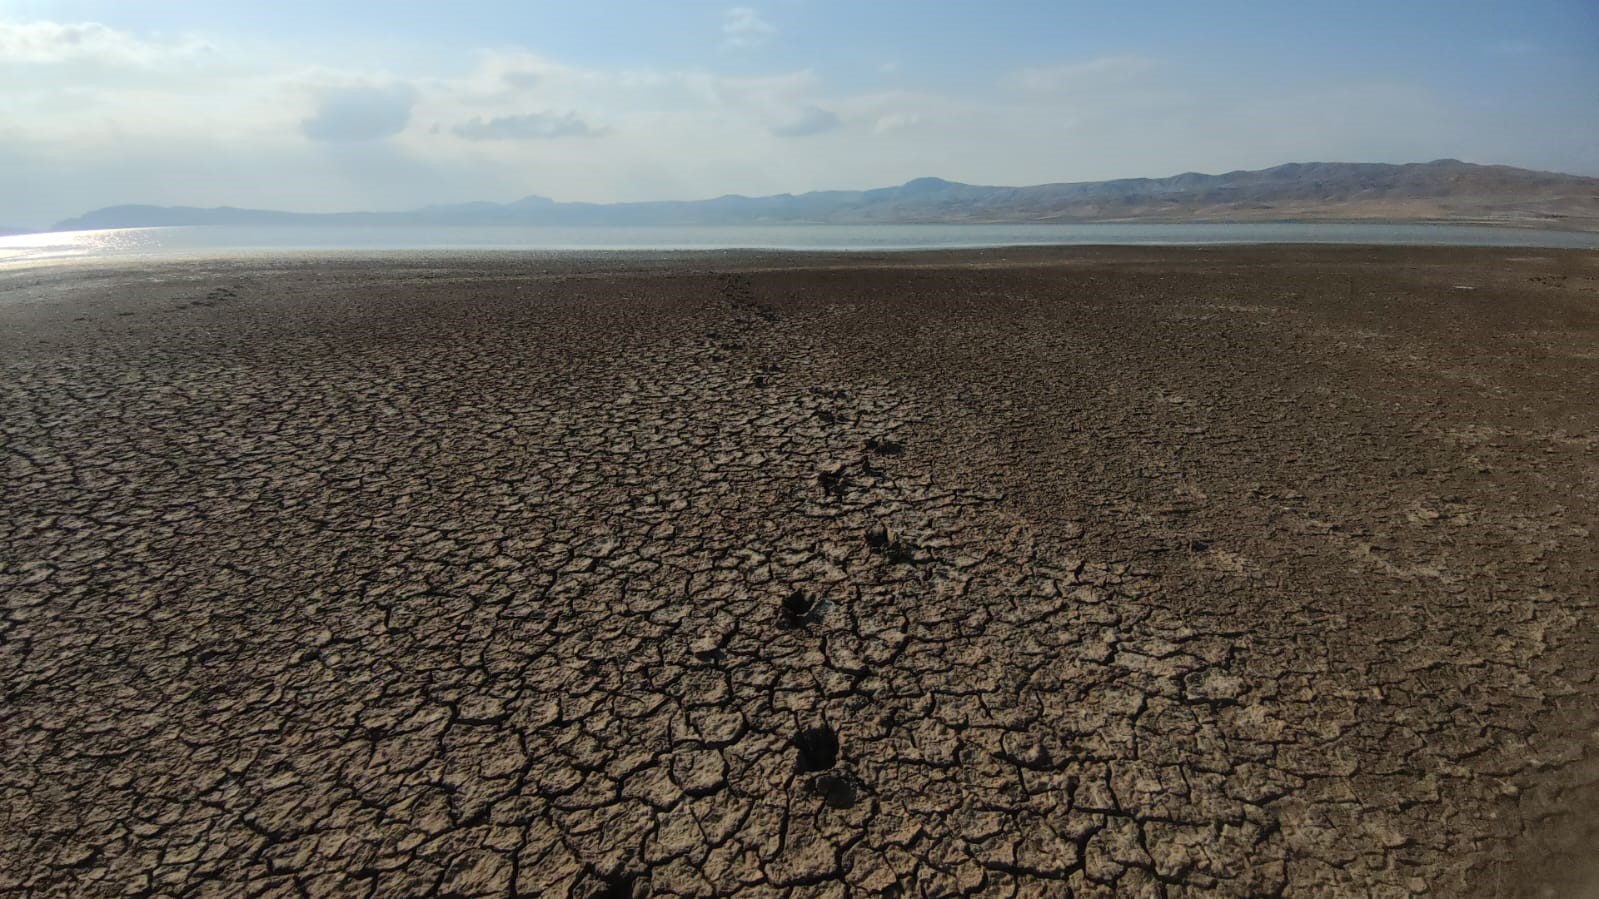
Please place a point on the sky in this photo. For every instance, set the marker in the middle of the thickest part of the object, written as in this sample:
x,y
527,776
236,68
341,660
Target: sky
x,y
338,105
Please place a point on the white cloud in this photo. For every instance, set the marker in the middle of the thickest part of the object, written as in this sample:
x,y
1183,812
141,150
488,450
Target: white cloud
x,y
528,126
895,121
503,83
1093,73
45,43
769,93
744,27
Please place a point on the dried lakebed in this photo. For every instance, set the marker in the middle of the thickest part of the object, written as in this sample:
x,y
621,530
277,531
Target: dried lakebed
x,y
1164,572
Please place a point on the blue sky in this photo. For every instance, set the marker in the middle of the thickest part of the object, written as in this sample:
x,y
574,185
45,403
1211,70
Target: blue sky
x,y
329,105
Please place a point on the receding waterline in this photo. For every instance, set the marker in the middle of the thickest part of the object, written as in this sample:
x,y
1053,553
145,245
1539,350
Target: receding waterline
x,y
232,240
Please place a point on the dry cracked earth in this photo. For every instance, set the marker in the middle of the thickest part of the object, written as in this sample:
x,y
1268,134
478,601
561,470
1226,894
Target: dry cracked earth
x,y
1235,572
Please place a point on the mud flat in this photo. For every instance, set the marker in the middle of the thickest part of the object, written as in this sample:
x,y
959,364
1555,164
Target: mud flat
x,y
1166,572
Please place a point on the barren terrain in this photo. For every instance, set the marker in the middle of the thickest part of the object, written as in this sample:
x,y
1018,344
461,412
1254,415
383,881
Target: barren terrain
x,y
1164,572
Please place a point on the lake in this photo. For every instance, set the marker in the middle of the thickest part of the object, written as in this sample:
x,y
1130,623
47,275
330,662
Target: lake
x,y
277,240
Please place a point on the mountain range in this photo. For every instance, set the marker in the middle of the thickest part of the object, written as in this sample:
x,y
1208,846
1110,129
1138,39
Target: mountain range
x,y
1445,190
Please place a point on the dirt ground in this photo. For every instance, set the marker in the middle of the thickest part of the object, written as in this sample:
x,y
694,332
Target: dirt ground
x,y
1044,572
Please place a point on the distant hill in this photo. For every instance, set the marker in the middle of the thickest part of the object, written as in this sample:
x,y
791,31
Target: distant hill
x,y
1445,190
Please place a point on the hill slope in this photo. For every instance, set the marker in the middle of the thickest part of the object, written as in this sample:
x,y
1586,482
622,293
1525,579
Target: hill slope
x,y
1443,190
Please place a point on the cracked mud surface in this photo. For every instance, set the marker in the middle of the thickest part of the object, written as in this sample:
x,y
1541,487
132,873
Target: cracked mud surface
x,y
1026,572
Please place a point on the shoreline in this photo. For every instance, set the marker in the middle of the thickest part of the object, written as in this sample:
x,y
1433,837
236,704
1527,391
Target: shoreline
x,y
1262,254
45,247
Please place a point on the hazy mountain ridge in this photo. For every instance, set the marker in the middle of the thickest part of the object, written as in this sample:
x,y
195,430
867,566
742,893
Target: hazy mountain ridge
x,y
1442,190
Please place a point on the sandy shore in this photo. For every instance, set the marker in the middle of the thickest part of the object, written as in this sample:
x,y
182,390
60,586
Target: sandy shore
x,y
1201,571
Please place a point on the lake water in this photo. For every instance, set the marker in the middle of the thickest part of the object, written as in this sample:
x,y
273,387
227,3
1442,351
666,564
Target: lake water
x,y
288,240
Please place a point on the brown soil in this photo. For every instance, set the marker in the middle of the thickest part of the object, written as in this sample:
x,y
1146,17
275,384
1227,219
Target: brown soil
x,y
1157,572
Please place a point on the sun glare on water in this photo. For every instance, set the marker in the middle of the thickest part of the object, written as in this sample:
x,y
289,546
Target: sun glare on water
x,y
65,244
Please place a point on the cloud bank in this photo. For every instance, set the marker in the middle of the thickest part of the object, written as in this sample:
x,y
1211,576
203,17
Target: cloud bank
x,y
811,120
360,112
